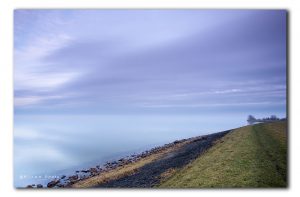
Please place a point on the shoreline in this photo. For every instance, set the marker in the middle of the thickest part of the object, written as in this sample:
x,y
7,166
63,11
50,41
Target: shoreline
x,y
107,174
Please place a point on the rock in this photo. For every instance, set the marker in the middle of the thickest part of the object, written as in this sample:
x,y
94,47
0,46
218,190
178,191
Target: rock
x,y
176,142
60,185
93,171
77,171
53,183
29,186
199,139
63,176
73,178
39,186
85,171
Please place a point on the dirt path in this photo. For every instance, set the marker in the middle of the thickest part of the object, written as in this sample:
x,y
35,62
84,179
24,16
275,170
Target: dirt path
x,y
150,174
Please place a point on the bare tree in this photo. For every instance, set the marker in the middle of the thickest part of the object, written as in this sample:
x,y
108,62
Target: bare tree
x,y
251,119
274,117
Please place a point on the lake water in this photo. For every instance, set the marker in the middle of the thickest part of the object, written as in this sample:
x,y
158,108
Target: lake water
x,y
46,146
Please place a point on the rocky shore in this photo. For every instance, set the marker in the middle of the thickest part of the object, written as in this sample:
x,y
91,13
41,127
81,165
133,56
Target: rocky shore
x,y
167,158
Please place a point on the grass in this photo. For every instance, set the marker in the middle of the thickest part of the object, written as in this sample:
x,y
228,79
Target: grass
x,y
251,156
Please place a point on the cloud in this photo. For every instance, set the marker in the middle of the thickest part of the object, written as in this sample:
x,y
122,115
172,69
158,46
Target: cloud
x,y
32,100
227,91
206,105
43,81
113,62
25,133
32,73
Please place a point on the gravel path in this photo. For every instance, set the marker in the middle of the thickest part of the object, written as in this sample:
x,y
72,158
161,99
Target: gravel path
x,y
150,174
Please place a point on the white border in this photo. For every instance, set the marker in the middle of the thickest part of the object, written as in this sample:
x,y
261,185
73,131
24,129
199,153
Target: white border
x,y
6,89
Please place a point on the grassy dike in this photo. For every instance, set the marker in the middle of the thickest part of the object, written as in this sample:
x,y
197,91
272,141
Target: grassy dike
x,y
251,156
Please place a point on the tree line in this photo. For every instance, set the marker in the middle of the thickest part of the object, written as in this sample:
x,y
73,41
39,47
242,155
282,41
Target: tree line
x,y
251,119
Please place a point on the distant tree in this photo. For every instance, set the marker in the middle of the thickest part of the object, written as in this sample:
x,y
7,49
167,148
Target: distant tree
x,y
251,119
274,117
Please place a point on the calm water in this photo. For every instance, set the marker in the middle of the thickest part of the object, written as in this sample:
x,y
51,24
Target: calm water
x,y
51,145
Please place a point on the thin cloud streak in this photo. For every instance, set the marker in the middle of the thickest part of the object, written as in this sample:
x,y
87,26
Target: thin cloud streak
x,y
215,105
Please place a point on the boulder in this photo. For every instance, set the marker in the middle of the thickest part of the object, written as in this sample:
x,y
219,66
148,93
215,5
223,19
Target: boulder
x,y
73,178
60,185
39,186
53,183
93,171
176,142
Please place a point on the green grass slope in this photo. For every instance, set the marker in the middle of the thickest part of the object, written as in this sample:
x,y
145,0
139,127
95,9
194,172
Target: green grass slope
x,y
251,156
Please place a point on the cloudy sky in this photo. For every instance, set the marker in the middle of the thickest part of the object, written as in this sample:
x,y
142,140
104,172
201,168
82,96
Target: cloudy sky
x,y
124,61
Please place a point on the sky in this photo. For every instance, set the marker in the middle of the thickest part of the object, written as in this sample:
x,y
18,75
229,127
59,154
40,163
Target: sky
x,y
122,65
123,61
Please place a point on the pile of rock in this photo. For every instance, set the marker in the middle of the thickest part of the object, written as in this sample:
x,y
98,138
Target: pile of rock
x,y
35,186
111,165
